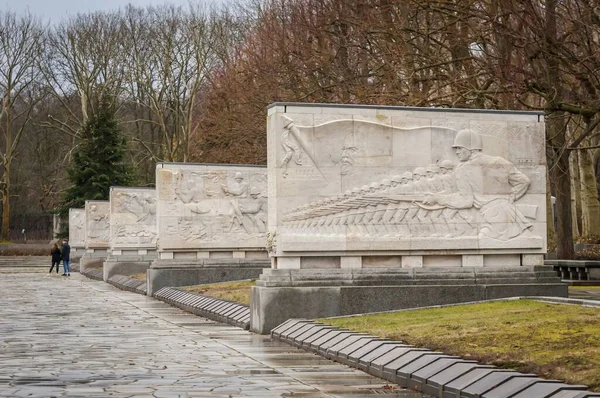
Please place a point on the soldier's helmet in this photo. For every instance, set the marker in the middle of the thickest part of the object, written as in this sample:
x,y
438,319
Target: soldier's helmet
x,y
239,176
447,164
420,171
374,185
385,183
433,168
396,178
407,175
467,139
254,191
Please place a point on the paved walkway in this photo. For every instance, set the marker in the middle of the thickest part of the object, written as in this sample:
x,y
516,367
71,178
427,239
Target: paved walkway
x,y
77,337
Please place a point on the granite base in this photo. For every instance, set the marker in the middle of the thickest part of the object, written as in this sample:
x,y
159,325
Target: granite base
x,y
284,294
164,273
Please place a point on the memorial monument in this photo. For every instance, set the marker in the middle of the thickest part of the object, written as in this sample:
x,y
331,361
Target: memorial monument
x,y
97,230
77,233
379,208
133,231
211,224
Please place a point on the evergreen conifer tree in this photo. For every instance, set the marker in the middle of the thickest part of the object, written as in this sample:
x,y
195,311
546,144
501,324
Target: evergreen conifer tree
x,y
98,162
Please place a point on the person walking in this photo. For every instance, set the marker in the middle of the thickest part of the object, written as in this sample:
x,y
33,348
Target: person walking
x,y
66,257
55,252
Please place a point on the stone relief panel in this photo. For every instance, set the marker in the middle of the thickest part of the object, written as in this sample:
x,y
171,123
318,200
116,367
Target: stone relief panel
x,y
97,232
133,218
361,183
77,227
211,206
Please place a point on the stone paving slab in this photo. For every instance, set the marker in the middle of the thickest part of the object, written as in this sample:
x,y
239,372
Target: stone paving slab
x,y
420,369
78,337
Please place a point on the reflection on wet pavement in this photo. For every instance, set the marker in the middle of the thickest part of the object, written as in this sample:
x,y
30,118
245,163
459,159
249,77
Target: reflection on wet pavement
x,y
77,337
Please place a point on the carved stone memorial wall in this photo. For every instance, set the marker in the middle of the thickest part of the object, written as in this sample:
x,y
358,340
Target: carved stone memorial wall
x,y
77,227
97,232
211,207
133,218
361,186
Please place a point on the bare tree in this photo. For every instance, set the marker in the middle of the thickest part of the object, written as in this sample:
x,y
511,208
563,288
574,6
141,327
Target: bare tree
x,y
85,64
21,47
171,55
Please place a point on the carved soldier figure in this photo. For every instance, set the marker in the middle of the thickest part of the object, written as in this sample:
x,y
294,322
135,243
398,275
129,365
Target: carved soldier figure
x,y
424,226
436,185
455,223
447,175
489,184
370,206
256,210
239,188
186,191
381,206
433,179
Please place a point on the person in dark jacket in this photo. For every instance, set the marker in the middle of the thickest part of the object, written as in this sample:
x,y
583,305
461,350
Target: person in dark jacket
x,y
55,252
66,257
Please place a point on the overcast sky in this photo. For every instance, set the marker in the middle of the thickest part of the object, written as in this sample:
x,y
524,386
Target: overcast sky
x,y
56,10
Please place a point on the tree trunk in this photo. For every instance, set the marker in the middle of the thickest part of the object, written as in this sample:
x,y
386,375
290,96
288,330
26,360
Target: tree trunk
x,y
575,194
556,135
564,227
590,208
550,232
561,179
6,203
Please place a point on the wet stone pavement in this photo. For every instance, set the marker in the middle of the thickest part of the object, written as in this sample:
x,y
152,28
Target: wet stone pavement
x,y
81,338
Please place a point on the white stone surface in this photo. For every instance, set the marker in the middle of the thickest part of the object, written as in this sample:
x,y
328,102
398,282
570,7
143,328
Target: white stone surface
x,y
359,181
412,261
77,227
132,218
472,260
207,207
97,232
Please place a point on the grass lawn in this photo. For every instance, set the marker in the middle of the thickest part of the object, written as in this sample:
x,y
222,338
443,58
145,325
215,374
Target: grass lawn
x,y
141,276
552,340
238,291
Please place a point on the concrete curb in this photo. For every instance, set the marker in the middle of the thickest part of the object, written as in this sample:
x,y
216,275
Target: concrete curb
x,y
224,311
124,282
93,273
430,372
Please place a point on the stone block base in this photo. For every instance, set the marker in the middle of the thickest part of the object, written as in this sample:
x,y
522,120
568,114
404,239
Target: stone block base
x,y
114,267
76,254
213,255
93,258
284,294
174,273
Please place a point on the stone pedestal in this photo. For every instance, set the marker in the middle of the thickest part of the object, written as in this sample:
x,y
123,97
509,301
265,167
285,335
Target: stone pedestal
x,y
97,221
439,193
211,224
187,273
128,262
77,227
283,294
93,258
76,253
133,231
